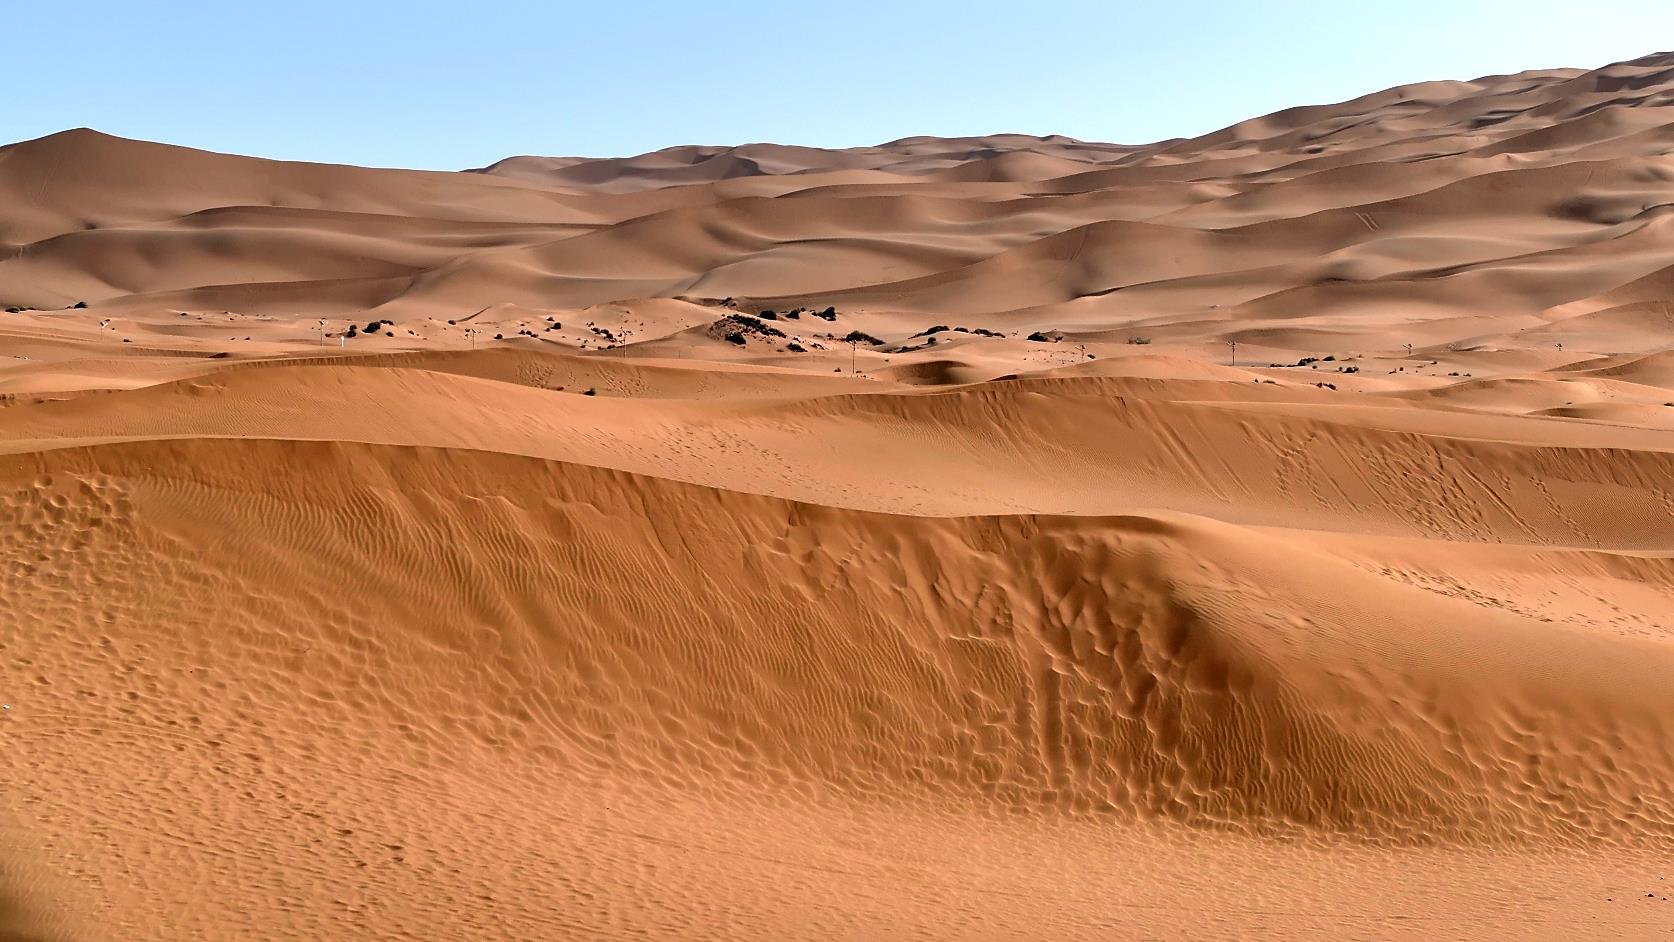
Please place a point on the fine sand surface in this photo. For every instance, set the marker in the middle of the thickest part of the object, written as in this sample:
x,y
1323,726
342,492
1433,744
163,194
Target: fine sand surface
x,y
1266,535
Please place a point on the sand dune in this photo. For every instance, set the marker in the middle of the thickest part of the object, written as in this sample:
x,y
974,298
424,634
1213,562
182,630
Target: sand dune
x,y
1268,534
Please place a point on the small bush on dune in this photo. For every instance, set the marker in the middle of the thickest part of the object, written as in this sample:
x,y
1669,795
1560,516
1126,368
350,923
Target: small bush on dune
x,y
1139,340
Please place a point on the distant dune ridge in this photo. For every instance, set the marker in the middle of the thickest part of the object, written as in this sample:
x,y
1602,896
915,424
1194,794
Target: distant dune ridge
x,y
1267,534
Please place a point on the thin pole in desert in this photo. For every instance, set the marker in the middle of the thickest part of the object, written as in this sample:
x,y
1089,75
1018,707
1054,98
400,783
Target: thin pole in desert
x,y
1234,345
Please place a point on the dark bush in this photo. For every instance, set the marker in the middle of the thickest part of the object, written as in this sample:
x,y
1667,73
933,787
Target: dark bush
x,y
590,391
768,315
795,348
372,327
855,336
79,304
1042,337
736,337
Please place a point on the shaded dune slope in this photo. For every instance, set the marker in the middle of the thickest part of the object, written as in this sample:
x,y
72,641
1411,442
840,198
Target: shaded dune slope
x,y
1151,666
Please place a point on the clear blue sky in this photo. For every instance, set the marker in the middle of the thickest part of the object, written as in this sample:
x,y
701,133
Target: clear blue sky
x,y
460,84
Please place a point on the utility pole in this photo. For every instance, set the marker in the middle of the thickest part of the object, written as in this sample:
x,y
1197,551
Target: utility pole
x,y
1234,345
854,345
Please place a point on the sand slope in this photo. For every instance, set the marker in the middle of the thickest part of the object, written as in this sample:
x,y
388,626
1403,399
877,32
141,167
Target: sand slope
x,y
1263,535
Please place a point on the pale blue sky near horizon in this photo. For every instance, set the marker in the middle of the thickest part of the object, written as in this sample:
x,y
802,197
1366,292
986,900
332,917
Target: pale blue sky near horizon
x,y
449,85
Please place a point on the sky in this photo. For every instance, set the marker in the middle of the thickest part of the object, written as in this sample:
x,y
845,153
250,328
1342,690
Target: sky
x,y
460,84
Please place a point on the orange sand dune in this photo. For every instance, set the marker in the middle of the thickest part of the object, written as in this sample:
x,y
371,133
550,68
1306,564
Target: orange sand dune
x,y
1263,535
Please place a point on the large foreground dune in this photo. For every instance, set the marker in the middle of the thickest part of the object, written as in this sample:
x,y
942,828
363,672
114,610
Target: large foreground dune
x,y
1269,534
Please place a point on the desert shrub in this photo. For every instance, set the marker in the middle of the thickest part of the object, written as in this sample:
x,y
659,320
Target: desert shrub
x,y
81,305
1139,340
372,327
736,337
590,391
767,315
855,336
1041,337
795,347
743,325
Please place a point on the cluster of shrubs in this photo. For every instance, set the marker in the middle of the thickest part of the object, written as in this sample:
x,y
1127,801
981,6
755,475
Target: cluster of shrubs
x,y
371,327
943,328
856,336
20,308
795,313
739,328
1043,337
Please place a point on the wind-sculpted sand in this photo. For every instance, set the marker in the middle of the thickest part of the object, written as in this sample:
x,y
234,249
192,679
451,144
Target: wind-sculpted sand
x,y
1264,535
